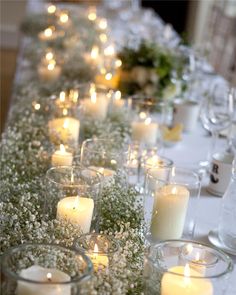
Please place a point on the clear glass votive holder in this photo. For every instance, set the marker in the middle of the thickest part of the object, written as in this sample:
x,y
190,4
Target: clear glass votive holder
x,y
100,248
148,117
166,271
41,269
73,196
104,155
171,198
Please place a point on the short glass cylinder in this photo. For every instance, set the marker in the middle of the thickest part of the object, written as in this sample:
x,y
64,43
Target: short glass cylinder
x,y
148,117
73,196
103,155
43,269
170,203
185,267
100,248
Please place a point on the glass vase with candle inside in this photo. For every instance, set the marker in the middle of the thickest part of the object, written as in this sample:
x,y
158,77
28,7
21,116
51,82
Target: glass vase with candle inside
x,y
44,269
73,196
170,203
148,117
182,267
100,248
104,155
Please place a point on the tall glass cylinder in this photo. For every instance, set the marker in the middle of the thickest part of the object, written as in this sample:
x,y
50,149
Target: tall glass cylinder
x,y
44,269
170,202
73,196
185,267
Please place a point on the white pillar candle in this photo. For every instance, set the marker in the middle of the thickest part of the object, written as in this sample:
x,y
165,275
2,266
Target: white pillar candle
x,y
96,106
62,157
169,212
49,72
183,284
66,128
43,275
76,210
145,131
118,102
99,260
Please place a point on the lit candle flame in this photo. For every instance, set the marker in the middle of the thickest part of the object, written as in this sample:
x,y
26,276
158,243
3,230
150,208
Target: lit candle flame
x,y
65,124
118,95
51,66
92,15
64,18
48,32
102,24
51,9
109,51
108,76
94,97
147,121
174,190
95,250
49,276
103,38
62,148
75,95
37,106
65,112
94,52
62,96
49,55
118,63
142,115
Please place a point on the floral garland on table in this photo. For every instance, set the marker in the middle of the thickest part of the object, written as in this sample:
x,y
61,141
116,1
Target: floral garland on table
x,y
25,157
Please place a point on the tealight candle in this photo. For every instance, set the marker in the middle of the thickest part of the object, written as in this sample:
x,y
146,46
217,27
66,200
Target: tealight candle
x,y
96,107
43,275
183,284
169,212
62,157
50,72
145,131
77,211
66,127
99,260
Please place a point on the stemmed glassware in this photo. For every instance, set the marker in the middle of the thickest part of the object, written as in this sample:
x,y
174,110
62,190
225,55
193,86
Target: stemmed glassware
x,y
216,115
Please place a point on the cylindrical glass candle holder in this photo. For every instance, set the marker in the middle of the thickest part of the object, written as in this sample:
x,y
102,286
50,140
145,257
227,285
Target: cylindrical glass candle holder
x,y
169,269
73,196
170,203
148,117
103,155
44,269
100,248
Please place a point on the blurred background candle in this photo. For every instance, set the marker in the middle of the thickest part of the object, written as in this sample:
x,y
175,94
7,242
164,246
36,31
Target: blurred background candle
x,y
48,34
66,128
62,157
169,212
96,106
181,283
76,210
44,275
118,102
145,131
51,9
49,72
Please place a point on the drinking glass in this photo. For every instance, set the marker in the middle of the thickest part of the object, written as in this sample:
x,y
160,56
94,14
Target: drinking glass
x,y
216,115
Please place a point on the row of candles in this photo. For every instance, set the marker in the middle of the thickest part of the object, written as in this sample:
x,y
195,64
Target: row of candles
x,y
171,200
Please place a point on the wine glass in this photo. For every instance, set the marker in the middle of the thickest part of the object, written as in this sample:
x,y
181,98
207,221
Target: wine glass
x,y
216,115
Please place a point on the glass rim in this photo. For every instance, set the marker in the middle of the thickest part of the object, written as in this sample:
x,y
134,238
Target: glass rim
x,y
108,237
227,259
73,167
197,181
17,277
90,140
